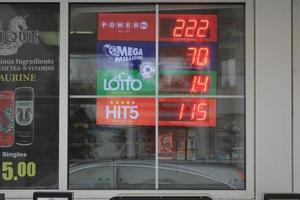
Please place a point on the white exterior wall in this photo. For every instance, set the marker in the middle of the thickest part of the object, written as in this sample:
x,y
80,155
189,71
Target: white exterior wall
x,y
273,97
296,87
275,169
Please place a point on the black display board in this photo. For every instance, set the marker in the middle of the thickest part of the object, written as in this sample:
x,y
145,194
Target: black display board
x,y
29,95
52,196
161,198
282,196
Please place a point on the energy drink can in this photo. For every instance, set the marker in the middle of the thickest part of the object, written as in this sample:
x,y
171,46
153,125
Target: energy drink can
x,y
24,115
7,118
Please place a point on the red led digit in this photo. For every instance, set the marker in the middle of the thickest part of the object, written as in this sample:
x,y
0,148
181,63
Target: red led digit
x,y
199,111
193,112
202,56
192,52
199,57
191,28
181,111
203,29
179,28
200,84
202,111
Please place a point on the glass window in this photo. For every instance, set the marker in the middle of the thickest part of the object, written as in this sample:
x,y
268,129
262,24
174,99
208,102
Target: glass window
x,y
201,97
110,137
29,95
182,89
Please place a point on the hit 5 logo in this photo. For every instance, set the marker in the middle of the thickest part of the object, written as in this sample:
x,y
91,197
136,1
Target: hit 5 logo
x,y
126,111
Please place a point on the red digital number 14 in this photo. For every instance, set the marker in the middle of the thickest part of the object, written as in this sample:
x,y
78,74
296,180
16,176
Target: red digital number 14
x,y
200,84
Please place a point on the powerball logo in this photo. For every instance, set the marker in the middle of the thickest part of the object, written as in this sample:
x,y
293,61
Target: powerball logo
x,y
126,27
123,53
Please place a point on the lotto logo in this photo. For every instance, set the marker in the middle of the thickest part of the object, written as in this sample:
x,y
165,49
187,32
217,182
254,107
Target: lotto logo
x,y
126,27
126,111
127,82
123,82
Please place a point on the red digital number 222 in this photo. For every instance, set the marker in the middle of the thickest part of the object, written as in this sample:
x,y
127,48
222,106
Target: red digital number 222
x,y
191,28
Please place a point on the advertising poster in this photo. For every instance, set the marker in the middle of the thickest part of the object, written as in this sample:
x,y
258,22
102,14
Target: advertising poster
x,y
125,68
125,55
124,82
29,95
126,111
126,27
181,145
167,146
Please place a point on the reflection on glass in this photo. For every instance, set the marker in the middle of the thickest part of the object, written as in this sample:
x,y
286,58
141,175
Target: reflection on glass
x,y
199,92
213,155
108,152
112,135
201,140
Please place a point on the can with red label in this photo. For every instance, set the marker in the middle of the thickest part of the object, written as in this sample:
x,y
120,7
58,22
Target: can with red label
x,y
7,99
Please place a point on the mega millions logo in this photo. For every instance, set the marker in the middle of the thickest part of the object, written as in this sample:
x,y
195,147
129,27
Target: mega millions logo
x,y
16,35
123,53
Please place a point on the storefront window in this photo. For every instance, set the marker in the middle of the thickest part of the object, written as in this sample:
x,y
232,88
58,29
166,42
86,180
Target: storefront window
x,y
157,97
29,95
111,140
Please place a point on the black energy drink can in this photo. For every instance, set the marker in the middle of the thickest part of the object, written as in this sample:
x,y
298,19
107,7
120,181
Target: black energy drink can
x,y
24,115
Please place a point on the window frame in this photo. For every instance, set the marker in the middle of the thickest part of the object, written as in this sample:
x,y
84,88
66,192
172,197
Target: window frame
x,y
296,94
63,111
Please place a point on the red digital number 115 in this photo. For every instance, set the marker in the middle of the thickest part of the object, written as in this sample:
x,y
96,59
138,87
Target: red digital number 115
x,y
197,113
